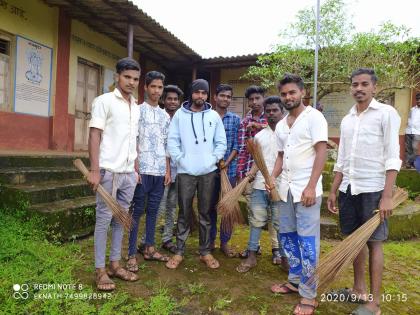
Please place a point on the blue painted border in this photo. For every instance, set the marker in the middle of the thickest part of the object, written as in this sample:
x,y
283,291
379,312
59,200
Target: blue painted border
x,y
51,77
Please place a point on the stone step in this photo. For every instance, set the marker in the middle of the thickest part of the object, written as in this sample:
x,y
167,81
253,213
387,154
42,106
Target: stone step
x,y
51,190
29,175
68,219
38,161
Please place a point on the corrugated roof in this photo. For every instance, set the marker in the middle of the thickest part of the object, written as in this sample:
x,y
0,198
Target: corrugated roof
x,y
231,61
111,18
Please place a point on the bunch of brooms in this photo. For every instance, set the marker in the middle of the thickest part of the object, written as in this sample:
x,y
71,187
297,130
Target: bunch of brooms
x,y
343,255
118,212
228,206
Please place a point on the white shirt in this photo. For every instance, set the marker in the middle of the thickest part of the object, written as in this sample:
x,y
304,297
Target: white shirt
x,y
119,124
369,146
413,124
267,139
297,143
153,137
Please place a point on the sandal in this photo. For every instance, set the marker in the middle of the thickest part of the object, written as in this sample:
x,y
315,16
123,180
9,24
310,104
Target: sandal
x,y
300,306
245,253
245,267
103,283
210,261
228,251
169,246
285,288
174,262
132,266
123,274
154,255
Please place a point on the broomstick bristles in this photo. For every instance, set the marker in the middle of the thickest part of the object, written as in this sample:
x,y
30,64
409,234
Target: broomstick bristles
x,y
342,256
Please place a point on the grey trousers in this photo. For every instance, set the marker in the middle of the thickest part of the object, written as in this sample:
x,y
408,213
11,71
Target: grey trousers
x,y
187,186
123,185
167,209
411,145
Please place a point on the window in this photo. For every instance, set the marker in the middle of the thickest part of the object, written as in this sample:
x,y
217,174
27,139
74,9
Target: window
x,y
4,72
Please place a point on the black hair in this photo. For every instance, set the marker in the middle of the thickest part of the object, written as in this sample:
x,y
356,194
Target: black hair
x,y
254,89
223,87
291,78
418,96
127,64
171,88
273,100
368,71
154,75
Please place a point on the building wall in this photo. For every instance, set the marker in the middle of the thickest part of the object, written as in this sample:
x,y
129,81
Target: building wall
x,y
38,22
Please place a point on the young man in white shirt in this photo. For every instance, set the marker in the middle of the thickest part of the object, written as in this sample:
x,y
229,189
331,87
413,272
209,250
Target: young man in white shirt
x,y
113,130
412,134
154,169
263,210
367,165
302,151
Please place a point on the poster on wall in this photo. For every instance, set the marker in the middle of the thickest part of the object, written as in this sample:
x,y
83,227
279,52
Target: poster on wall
x,y
32,77
335,107
109,81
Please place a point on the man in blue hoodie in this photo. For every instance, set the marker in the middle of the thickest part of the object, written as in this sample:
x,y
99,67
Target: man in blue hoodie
x,y
196,142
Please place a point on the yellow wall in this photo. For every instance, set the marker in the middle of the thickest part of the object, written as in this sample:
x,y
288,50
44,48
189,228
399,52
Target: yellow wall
x,y
403,105
82,50
36,21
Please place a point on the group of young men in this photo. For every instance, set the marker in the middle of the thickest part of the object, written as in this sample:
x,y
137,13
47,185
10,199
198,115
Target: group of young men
x,y
155,158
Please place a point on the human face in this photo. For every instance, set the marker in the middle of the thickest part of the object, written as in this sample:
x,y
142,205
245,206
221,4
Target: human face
x,y
418,102
362,88
291,95
128,81
154,91
223,99
255,101
199,97
171,102
273,113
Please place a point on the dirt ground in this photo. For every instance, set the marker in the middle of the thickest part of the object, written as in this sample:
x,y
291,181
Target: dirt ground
x,y
199,290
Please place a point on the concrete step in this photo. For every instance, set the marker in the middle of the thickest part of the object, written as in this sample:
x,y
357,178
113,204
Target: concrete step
x,y
68,219
38,161
51,190
30,175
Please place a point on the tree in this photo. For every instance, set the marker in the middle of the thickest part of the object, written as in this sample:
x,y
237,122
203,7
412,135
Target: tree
x,y
390,51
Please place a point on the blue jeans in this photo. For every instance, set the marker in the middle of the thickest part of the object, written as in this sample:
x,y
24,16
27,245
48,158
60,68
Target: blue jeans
x,y
123,185
225,236
299,235
151,187
262,211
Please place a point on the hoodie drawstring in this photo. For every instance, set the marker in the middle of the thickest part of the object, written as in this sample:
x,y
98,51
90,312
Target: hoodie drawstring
x,y
202,122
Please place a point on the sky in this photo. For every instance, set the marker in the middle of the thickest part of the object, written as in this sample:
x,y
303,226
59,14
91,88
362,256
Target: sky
x,y
239,27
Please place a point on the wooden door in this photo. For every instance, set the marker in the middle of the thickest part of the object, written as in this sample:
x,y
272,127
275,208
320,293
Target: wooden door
x,y
87,90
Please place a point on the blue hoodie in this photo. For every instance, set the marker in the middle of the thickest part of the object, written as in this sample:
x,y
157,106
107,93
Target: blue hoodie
x,y
196,140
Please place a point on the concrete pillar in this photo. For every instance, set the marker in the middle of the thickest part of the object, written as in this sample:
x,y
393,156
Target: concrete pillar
x,y
130,37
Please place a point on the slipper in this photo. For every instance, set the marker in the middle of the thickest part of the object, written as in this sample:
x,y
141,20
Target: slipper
x,y
228,252
347,295
284,288
102,284
174,262
210,261
123,274
245,267
169,246
363,310
154,256
132,266
311,307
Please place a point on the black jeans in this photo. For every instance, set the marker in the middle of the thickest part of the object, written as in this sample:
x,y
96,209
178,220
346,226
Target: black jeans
x,y
187,186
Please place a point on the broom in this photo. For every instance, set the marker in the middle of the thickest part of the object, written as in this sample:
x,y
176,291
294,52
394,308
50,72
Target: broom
x,y
254,148
343,255
229,219
226,205
118,212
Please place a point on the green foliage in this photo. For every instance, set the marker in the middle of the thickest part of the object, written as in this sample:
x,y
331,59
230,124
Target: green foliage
x,y
390,51
196,288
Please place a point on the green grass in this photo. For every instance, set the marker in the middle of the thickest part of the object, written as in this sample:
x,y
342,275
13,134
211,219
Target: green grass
x,y
26,258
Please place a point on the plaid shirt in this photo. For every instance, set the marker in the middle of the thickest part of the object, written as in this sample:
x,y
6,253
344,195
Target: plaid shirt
x,y
244,158
231,123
